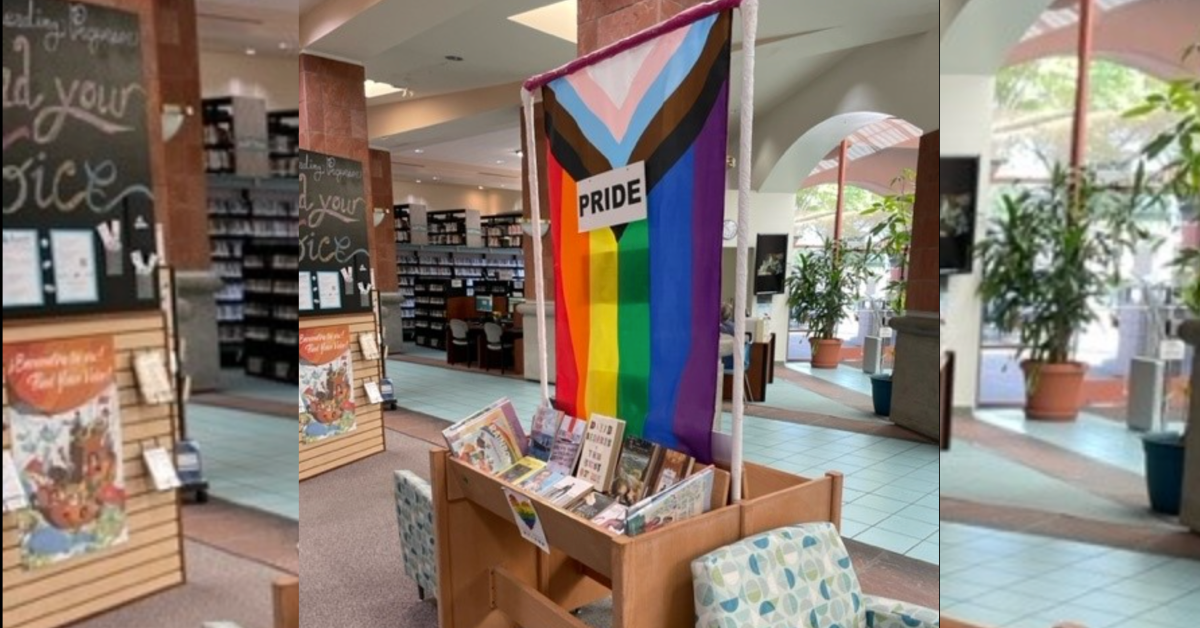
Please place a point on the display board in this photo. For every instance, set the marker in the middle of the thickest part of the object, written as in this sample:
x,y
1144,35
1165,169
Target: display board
x,y
79,231
335,370
636,145
959,183
335,261
770,261
63,560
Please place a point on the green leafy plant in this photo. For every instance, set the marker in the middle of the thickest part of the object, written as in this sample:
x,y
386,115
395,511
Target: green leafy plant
x,y
1052,256
1188,263
824,284
894,232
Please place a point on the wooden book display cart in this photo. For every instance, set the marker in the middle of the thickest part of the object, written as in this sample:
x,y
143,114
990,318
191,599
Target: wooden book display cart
x,y
490,577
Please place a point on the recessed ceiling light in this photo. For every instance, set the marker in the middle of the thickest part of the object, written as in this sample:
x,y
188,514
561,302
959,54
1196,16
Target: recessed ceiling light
x,y
481,187
283,45
418,180
418,150
519,152
251,52
435,178
499,161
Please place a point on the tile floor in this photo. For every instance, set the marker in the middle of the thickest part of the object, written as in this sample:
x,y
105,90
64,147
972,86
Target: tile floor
x,y
248,458
891,497
235,382
1098,438
1011,580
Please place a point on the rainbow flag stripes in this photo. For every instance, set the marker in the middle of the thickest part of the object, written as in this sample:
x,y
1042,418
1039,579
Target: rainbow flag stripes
x,y
638,304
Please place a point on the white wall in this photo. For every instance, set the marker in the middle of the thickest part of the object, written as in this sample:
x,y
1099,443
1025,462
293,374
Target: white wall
x,y
769,213
274,79
967,122
436,197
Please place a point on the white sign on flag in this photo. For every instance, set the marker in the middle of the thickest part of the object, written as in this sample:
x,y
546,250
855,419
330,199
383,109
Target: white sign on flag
x,y
612,198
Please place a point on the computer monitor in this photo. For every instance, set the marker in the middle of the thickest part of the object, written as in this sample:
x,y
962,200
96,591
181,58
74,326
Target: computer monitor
x,y
483,305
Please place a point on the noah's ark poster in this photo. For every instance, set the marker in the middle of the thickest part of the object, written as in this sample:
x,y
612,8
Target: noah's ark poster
x,y
326,383
66,436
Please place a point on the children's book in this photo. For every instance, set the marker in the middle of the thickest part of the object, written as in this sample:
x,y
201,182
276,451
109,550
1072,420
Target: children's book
x,y
541,481
591,505
601,445
674,467
543,432
565,453
567,491
635,469
689,498
522,470
490,440
612,518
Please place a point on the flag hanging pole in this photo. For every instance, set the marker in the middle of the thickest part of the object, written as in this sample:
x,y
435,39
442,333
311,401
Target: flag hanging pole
x,y
535,209
745,155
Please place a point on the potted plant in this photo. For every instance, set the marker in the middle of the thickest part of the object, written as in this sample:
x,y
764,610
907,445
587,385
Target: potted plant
x,y
1048,260
894,231
1180,179
822,287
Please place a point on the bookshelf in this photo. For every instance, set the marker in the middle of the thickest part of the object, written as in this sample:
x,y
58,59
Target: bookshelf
x,y
503,231
430,276
244,211
271,308
235,136
283,142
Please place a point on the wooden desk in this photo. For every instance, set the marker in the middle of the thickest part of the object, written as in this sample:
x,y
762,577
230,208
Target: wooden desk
x,y
947,392
478,337
760,372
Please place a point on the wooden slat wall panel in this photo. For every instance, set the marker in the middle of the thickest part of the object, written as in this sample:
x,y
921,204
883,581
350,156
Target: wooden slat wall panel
x,y
367,437
152,559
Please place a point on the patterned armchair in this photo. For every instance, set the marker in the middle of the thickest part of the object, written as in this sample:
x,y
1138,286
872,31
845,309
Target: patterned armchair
x,y
793,577
414,509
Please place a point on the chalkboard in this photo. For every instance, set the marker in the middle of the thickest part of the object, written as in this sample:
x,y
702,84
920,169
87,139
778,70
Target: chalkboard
x,y
335,259
79,232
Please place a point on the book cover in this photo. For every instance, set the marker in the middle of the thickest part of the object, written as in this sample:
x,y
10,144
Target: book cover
x,y
490,440
687,499
601,445
634,469
675,466
567,491
591,505
612,518
543,432
541,481
522,470
567,443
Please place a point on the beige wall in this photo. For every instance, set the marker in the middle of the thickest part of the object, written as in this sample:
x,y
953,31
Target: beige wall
x,y
274,79
436,197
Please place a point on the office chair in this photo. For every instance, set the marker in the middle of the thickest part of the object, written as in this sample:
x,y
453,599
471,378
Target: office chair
x,y
459,343
496,344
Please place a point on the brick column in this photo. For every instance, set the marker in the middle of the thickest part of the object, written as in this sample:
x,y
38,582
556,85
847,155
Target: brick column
x,y
333,120
384,255
601,22
923,274
186,187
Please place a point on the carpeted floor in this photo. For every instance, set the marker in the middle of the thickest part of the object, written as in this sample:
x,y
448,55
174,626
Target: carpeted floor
x,y
350,549
221,587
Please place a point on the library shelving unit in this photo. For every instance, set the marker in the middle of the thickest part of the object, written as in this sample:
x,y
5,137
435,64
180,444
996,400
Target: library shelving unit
x,y
482,556
271,309
503,231
434,274
235,136
283,138
243,211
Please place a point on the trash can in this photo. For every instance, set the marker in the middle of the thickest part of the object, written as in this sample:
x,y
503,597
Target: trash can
x,y
1164,471
881,393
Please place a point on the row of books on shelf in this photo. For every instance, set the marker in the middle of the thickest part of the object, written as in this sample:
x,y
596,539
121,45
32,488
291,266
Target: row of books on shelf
x,y
513,229
253,228
588,467
277,312
227,249
279,261
278,336
231,291
229,313
503,242
227,269
269,286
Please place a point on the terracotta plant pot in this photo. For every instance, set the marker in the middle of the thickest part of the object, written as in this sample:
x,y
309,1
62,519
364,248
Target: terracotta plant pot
x,y
1057,391
827,354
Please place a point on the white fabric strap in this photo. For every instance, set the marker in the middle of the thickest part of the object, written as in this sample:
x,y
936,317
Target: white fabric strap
x,y
535,209
745,154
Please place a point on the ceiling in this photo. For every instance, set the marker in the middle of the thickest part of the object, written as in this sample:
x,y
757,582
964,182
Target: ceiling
x,y
487,159
265,26
406,43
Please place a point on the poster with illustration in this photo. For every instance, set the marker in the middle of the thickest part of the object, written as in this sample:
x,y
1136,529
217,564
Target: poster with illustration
x,y
326,383
527,519
66,434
